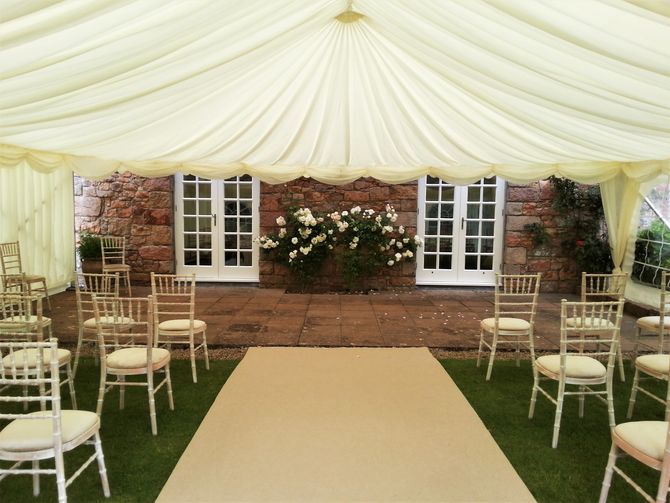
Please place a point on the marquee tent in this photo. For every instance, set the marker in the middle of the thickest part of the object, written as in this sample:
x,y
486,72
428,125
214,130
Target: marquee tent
x,y
330,89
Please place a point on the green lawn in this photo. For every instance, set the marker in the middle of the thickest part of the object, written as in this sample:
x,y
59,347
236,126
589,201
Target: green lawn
x,y
572,472
139,464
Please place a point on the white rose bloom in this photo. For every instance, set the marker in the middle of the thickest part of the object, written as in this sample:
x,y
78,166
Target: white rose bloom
x,y
401,230
353,245
405,240
330,247
390,262
409,254
418,240
394,217
398,256
330,232
294,241
388,215
392,242
281,221
381,248
355,240
399,244
378,218
314,241
293,254
355,210
282,232
345,213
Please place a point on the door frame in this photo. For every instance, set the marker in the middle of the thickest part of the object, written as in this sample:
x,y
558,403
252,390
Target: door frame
x,y
461,277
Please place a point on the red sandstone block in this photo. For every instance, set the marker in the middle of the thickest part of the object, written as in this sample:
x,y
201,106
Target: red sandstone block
x,y
356,196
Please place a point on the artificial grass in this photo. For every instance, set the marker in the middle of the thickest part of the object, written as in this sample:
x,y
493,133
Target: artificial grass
x,y
573,472
138,464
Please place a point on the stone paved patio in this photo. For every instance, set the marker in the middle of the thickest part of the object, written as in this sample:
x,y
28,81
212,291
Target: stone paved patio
x,y
241,316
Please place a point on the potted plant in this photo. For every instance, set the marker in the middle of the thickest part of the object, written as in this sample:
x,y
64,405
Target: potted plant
x,y
90,253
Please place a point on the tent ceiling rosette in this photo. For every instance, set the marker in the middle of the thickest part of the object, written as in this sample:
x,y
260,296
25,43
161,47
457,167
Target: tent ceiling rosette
x,y
337,90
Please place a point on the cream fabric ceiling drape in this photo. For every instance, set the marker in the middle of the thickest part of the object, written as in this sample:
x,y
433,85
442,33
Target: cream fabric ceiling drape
x,y
459,89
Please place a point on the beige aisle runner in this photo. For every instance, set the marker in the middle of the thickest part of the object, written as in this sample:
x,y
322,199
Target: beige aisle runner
x,y
342,424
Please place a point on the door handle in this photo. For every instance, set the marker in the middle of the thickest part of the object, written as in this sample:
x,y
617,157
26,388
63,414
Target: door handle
x,y
462,222
214,217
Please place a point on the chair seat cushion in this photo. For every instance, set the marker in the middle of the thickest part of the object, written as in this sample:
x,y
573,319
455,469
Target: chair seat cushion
x,y
589,322
652,323
181,325
22,319
648,437
30,354
116,268
580,367
659,364
135,358
106,320
514,324
23,435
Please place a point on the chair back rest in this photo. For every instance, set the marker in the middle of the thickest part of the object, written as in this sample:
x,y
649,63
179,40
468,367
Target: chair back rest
x,y
17,313
516,296
88,285
113,250
14,283
10,258
14,371
603,286
123,322
173,296
594,328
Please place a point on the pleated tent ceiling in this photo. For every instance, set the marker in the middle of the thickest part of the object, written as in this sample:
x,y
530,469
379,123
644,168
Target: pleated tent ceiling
x,y
337,90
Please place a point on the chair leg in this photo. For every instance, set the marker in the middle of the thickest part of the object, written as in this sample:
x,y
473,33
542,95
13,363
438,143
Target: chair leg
x,y
204,345
609,471
582,399
481,344
70,383
36,478
492,356
169,386
622,373
80,338
102,469
636,343
533,396
559,412
122,391
194,372
46,294
152,403
518,352
127,278
101,391
633,394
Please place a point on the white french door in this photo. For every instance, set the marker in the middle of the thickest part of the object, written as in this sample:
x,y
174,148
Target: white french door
x,y
215,222
462,228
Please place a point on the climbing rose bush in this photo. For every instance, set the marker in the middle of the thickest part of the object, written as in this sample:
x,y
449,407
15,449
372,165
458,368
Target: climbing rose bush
x,y
364,241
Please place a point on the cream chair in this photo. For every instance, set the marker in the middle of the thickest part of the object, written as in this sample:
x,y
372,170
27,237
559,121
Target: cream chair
x,y
22,324
649,443
17,285
86,286
48,433
112,317
603,287
515,299
114,258
174,315
578,363
650,367
10,261
656,327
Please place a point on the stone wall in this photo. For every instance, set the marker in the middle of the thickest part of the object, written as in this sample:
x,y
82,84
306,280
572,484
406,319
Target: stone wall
x,y
142,210
135,207
528,204
366,193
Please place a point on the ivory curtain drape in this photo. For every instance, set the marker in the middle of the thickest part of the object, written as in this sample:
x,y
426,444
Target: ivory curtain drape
x,y
36,209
